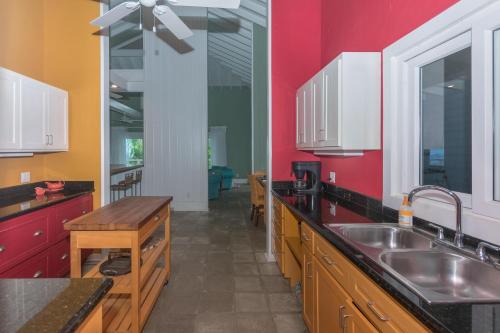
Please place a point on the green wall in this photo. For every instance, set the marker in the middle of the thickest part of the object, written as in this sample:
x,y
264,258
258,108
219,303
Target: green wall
x,y
260,96
232,107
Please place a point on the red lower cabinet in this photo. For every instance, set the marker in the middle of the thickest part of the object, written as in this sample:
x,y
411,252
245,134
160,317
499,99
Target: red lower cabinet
x,y
35,267
36,244
59,259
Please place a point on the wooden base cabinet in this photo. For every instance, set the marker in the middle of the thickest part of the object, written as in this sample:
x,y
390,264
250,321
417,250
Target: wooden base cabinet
x,y
334,310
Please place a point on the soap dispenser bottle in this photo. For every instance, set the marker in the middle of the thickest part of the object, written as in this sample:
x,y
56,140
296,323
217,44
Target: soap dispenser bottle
x,y
405,213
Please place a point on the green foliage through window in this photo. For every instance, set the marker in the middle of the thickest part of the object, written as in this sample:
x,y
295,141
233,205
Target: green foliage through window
x,y
135,150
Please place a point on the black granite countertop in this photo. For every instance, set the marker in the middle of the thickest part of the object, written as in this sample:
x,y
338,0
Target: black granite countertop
x,y
48,305
19,200
332,206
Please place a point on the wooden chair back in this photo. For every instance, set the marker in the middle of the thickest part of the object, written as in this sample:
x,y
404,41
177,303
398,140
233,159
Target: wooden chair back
x,y
257,191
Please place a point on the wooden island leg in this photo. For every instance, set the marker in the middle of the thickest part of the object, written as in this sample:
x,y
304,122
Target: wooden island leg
x,y
76,257
135,283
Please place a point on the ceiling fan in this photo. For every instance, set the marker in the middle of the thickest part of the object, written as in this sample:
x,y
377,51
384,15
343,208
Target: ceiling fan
x,y
162,12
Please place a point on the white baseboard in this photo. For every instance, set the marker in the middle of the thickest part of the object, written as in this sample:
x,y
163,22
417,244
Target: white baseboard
x,y
189,206
240,181
270,257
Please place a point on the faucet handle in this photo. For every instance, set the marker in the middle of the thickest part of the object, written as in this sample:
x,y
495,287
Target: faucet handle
x,y
440,230
481,250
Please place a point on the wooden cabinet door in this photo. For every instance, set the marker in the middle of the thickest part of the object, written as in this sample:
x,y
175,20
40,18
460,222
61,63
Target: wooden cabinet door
x,y
308,289
33,115
331,116
329,302
57,119
9,111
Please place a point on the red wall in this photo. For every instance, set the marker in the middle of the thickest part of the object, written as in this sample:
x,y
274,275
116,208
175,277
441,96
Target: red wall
x,y
354,25
296,56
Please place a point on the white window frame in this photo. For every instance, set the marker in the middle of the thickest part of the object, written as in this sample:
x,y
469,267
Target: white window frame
x,y
467,23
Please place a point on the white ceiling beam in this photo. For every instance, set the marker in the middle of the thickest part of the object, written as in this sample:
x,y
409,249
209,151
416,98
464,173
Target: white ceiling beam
x,y
225,26
122,26
221,13
248,15
127,53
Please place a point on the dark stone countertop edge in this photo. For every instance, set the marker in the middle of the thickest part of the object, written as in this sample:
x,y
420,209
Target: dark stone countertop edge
x,y
121,169
367,266
79,317
25,193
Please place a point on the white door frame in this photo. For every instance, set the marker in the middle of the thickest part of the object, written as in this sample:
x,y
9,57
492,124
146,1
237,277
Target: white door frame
x,y
105,125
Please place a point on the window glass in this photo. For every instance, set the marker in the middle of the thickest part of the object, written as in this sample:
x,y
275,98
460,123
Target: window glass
x,y
445,106
496,97
135,151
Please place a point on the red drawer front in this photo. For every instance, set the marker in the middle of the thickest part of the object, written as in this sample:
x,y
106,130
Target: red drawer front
x,y
23,237
68,211
36,267
59,261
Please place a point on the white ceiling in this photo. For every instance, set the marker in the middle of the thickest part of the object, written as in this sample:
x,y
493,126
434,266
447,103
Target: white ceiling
x,y
230,45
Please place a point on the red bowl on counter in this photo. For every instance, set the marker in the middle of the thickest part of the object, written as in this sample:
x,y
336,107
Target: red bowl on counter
x,y
40,191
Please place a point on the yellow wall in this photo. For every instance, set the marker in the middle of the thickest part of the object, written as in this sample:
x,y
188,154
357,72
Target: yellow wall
x,y
58,47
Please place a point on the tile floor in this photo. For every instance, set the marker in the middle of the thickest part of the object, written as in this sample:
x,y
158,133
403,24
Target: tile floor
x,y
220,279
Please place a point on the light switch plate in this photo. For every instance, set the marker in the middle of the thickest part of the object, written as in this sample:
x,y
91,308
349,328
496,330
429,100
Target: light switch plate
x,y
332,176
25,177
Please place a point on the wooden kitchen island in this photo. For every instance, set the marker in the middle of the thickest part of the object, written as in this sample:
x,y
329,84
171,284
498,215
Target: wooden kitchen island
x,y
128,223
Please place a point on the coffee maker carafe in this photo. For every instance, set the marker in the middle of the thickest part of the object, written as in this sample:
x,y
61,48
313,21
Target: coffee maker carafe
x,y
307,177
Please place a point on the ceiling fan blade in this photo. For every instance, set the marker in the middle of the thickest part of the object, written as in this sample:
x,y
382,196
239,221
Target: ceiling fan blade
x,y
116,14
207,3
172,21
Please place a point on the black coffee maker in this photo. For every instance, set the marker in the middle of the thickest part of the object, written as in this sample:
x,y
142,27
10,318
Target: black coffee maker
x,y
307,177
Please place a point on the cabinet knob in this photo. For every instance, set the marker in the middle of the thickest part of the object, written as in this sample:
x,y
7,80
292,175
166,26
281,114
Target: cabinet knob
x,y
65,221
157,217
64,256
2,248
84,212
37,274
38,233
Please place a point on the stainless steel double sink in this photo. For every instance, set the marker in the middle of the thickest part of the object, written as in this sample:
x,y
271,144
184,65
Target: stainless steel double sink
x,y
436,272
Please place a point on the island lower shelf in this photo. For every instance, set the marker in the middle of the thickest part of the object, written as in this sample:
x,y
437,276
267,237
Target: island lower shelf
x,y
122,283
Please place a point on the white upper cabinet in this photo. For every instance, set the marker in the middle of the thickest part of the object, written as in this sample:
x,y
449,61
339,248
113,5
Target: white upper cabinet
x,y
33,115
346,105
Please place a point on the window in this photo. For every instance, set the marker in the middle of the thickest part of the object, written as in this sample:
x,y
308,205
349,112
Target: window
x,y
442,116
445,129
135,151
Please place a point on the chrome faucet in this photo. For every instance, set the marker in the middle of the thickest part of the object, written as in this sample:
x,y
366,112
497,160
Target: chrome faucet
x,y
459,236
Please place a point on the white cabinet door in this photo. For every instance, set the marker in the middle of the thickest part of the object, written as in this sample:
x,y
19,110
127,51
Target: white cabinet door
x,y
9,111
308,116
300,103
318,129
57,119
33,115
331,115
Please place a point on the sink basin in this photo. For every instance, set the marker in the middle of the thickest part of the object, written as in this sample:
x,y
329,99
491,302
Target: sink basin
x,y
385,237
445,277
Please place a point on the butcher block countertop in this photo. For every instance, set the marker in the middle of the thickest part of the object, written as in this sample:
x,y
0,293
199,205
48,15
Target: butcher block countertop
x,y
129,213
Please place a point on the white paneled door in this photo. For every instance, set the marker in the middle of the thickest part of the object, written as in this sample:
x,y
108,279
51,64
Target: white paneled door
x,y
33,114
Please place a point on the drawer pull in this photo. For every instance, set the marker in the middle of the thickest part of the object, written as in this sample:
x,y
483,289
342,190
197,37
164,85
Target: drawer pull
x,y
84,212
371,306
38,233
157,217
64,256
304,236
341,315
344,322
37,274
325,257
308,270
65,221
2,248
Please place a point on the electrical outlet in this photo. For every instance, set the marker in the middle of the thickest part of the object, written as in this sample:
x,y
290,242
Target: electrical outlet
x,y
332,176
25,177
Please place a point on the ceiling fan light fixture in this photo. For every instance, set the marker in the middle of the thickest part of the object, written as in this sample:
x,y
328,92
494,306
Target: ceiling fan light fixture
x,y
148,3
